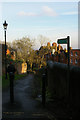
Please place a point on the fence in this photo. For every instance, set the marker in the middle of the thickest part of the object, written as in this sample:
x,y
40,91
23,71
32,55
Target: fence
x,y
58,84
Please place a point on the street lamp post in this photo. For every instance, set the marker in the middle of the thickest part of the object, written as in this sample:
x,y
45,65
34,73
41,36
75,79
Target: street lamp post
x,y
5,28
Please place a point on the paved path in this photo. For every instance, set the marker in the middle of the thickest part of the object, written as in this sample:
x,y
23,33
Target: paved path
x,y
24,106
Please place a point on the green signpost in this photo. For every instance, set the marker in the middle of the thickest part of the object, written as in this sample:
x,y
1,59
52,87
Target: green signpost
x,y
66,41
62,41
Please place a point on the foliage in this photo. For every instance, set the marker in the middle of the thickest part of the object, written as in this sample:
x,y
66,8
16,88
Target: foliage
x,y
24,51
56,53
42,52
23,48
30,58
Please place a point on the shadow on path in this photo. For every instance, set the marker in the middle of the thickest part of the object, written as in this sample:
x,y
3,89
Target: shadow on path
x,y
24,105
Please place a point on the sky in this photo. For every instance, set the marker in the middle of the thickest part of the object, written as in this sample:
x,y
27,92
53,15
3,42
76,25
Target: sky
x,y
54,20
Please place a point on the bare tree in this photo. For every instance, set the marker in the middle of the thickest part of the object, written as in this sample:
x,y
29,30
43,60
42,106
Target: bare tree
x,y
43,40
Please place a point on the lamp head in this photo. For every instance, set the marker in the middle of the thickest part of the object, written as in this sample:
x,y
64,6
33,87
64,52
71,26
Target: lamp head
x,y
5,25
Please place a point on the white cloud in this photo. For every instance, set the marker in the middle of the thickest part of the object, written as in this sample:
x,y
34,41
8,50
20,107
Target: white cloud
x,y
22,13
45,11
48,11
70,13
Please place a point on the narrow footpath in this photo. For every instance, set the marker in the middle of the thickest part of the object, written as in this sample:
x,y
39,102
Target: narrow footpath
x,y
24,106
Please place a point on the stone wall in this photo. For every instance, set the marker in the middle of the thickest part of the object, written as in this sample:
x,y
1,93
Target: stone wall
x,y
20,68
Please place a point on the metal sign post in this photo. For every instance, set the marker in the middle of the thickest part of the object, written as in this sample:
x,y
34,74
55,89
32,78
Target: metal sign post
x,y
68,48
67,41
68,74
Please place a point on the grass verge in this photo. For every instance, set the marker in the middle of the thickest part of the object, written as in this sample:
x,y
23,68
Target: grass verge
x,y
5,82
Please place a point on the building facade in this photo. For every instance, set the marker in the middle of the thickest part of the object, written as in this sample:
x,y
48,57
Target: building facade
x,y
60,55
75,57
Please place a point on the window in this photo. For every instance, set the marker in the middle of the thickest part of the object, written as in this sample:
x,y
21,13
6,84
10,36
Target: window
x,y
76,61
71,61
71,53
76,54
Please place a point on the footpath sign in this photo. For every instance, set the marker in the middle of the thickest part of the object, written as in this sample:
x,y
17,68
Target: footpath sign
x,y
62,41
